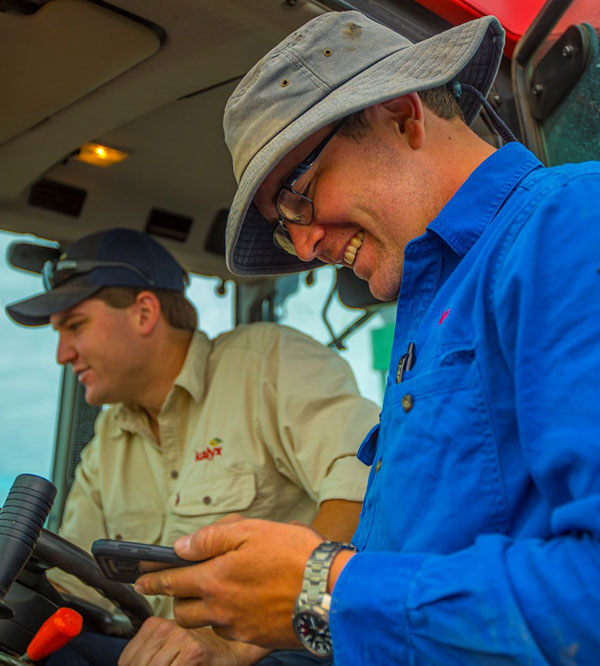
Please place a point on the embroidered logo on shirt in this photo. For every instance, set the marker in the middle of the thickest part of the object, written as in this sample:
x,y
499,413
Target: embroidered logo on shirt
x,y
213,449
444,315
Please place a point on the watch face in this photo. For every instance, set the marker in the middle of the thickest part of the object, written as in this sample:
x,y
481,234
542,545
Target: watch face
x,y
313,632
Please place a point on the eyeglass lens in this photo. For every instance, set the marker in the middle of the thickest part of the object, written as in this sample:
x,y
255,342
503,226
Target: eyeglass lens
x,y
283,240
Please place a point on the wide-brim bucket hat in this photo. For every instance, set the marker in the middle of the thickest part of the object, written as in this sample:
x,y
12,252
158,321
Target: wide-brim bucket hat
x,y
335,65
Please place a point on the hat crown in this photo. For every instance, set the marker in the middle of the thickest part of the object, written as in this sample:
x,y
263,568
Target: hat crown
x,y
306,66
131,247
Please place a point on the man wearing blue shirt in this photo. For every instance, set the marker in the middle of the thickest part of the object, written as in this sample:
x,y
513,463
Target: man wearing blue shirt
x,y
479,537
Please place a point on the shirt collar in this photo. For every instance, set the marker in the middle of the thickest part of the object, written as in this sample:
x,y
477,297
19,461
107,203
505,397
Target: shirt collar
x,y
463,219
192,374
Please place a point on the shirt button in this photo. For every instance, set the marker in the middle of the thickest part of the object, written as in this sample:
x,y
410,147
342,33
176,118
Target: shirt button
x,y
206,499
407,402
378,465
174,474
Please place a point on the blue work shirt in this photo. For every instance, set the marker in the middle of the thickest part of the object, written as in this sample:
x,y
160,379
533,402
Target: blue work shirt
x,y
479,535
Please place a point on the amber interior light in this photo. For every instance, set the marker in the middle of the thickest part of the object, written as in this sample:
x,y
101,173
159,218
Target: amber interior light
x,y
98,155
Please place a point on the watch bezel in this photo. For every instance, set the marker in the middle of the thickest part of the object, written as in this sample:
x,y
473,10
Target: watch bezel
x,y
320,613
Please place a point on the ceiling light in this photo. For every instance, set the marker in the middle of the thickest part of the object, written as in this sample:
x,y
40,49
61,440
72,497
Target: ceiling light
x,y
97,154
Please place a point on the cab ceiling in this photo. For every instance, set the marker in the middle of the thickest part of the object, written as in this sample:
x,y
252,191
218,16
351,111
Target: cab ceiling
x,y
147,76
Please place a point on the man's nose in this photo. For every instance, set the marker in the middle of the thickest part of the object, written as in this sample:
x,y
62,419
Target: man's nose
x,y
306,239
65,353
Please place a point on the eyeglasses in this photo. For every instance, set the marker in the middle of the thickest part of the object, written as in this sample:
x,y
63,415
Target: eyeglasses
x,y
56,272
292,206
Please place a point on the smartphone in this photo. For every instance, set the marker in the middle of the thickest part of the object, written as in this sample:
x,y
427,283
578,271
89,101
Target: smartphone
x,y
126,561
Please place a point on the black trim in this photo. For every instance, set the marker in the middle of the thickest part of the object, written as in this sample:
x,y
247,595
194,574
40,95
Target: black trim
x,y
212,87
161,33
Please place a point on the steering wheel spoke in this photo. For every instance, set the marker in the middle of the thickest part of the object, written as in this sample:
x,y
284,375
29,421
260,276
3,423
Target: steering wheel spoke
x,y
54,551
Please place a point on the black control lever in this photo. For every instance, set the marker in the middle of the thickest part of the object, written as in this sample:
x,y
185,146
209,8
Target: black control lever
x,y
22,517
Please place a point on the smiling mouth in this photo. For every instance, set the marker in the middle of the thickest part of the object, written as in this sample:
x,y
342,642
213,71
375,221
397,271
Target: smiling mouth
x,y
80,374
353,247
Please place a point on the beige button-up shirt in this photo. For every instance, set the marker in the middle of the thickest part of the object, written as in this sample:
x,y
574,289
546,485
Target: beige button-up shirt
x,y
262,421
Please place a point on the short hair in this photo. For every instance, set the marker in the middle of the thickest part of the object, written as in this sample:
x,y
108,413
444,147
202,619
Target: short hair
x,y
176,309
440,100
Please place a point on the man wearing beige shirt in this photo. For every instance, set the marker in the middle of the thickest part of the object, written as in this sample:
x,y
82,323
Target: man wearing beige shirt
x,y
262,421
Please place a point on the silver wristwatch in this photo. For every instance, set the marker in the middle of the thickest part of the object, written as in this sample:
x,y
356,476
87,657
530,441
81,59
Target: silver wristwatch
x,y
311,613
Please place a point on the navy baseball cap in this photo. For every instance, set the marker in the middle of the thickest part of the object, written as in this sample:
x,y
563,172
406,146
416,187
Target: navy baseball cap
x,y
111,258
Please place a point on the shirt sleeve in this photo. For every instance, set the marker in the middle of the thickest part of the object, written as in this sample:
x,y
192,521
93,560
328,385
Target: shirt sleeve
x,y
312,417
83,520
513,600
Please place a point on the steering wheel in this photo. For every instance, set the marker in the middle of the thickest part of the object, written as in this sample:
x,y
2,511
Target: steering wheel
x,y
54,551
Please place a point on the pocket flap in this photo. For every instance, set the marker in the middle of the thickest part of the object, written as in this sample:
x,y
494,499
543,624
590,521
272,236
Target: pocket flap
x,y
226,494
141,528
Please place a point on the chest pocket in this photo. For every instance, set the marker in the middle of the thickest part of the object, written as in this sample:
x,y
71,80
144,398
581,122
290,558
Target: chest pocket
x,y
439,481
203,503
140,528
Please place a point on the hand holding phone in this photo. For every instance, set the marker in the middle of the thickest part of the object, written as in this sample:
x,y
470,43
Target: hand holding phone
x,y
126,561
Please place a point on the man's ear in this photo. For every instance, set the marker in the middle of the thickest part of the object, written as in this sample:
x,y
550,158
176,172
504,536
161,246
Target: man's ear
x,y
407,113
146,311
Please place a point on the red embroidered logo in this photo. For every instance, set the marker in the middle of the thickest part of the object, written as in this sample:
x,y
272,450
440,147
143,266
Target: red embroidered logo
x,y
207,454
212,450
444,315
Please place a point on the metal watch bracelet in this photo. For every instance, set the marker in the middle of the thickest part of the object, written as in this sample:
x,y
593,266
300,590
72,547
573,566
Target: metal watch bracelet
x,y
316,573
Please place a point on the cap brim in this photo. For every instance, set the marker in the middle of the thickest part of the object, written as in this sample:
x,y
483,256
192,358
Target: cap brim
x,y
36,311
470,53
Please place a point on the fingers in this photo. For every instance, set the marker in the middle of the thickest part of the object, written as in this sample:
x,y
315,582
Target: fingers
x,y
155,644
162,642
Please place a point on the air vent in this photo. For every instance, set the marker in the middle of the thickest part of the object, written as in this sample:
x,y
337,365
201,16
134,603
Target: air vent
x,y
58,197
215,241
168,225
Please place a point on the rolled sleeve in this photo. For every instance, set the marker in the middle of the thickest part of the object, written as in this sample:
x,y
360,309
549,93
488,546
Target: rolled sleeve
x,y
347,479
312,417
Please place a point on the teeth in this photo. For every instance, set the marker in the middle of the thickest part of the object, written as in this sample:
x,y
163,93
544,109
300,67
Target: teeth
x,y
353,247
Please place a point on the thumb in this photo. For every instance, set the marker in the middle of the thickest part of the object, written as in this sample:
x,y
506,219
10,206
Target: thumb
x,y
210,541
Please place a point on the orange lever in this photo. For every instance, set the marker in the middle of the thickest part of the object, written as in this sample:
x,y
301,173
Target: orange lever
x,y
63,625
